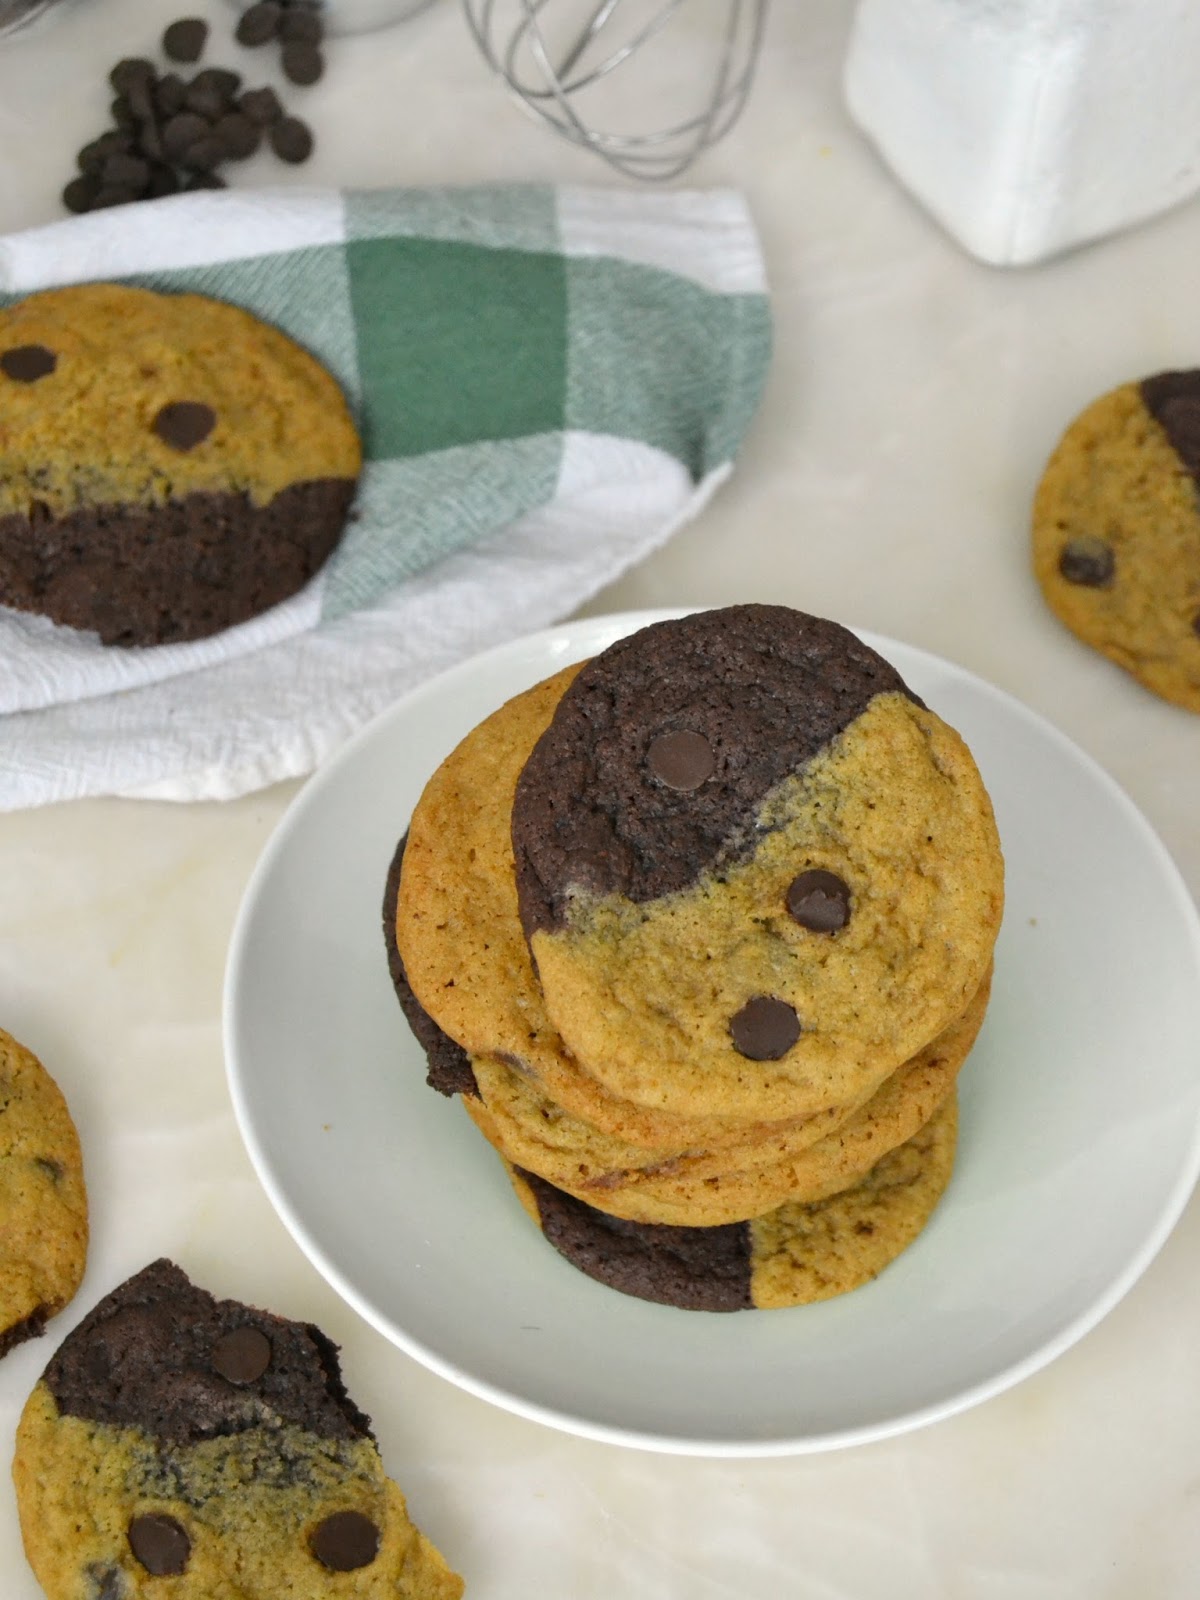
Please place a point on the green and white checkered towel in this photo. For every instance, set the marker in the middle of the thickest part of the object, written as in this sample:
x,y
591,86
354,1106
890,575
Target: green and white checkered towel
x,y
548,382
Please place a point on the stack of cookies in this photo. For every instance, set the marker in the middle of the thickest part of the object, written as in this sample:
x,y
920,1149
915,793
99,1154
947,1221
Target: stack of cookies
x,y
702,932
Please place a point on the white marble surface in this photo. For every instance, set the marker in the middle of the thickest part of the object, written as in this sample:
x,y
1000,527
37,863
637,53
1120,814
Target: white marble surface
x,y
887,481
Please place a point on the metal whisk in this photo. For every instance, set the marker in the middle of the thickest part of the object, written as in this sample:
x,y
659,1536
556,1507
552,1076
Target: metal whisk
x,y
561,59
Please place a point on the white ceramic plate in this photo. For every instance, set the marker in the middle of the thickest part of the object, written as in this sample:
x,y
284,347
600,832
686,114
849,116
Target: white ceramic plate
x,y
1080,1137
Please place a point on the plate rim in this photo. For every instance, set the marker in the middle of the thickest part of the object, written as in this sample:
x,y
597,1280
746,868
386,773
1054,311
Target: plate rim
x,y
618,624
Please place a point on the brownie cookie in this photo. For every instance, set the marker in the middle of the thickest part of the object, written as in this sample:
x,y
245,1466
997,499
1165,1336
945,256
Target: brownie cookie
x,y
795,1255
707,1189
169,464
463,956
43,1202
1116,531
755,872
182,1445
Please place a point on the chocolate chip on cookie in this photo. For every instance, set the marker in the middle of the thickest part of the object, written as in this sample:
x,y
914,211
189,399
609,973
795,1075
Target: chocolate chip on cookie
x,y
765,1029
819,901
681,760
160,1544
345,1541
242,1355
1087,560
26,363
183,424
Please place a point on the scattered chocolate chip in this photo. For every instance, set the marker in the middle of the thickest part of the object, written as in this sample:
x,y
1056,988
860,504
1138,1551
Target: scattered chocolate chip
x,y
132,70
113,194
150,141
79,194
129,172
185,40
183,424
26,363
291,139
176,131
237,135
160,1544
141,101
242,1355
301,25
206,100
302,63
163,181
1088,561
1196,623
204,155
181,132
262,106
764,1029
259,24
345,1541
819,901
682,760
93,156
169,94
222,79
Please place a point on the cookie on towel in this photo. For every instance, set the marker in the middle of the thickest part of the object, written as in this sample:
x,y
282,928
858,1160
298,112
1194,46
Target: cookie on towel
x,y
169,464
795,1255
43,1202
755,872
1116,531
180,1445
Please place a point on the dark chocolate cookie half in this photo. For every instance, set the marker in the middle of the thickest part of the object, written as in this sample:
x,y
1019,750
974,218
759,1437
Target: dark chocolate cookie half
x,y
179,1436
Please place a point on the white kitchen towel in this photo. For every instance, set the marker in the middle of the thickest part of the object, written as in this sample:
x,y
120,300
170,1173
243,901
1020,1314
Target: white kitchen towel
x,y
548,382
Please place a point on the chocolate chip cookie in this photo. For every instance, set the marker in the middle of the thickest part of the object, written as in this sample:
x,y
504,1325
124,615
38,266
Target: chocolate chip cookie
x,y
182,1445
755,872
169,464
795,1255
1116,531
460,946
43,1202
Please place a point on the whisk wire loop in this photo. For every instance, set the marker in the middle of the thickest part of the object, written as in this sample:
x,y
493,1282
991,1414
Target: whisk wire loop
x,y
514,41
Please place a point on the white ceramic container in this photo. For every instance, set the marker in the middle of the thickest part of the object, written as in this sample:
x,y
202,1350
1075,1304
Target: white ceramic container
x,y
1030,126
